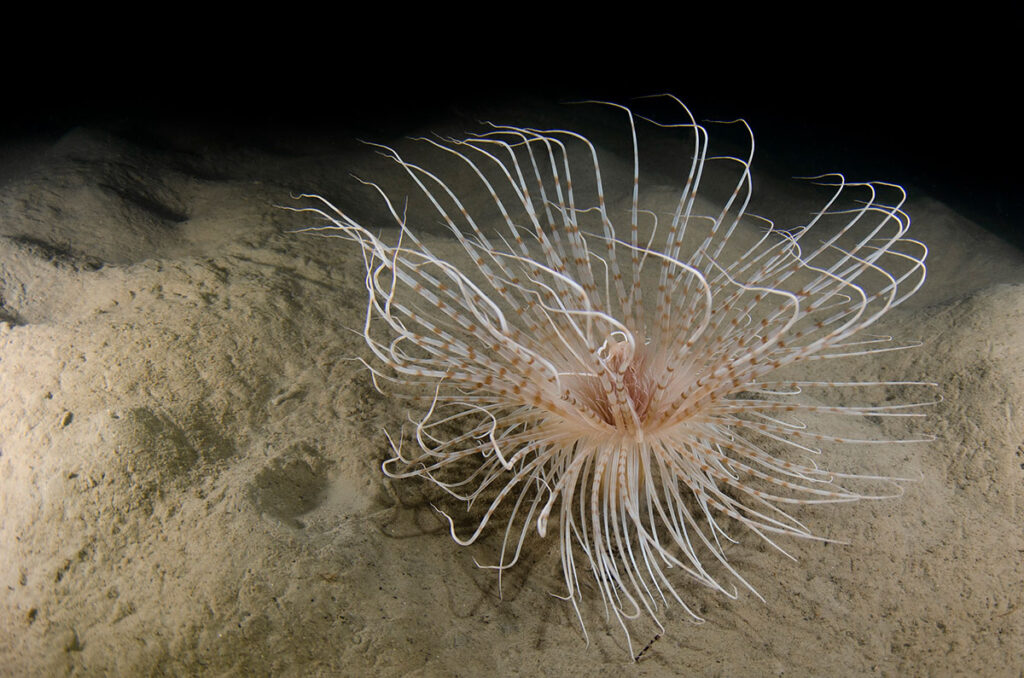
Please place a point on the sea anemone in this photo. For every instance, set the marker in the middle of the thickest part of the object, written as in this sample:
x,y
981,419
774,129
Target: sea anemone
x,y
630,381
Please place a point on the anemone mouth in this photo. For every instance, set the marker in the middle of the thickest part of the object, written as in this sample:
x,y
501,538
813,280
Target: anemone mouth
x,y
626,377
628,362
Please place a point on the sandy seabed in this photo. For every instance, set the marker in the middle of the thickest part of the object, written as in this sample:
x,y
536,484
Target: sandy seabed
x,y
190,457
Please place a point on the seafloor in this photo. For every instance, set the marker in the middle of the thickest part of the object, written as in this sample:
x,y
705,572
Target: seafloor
x,y
190,455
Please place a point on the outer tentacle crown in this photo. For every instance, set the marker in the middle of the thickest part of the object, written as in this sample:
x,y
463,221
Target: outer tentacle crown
x,y
624,375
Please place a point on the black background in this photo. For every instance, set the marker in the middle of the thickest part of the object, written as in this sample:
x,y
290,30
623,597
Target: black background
x,y
931,113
